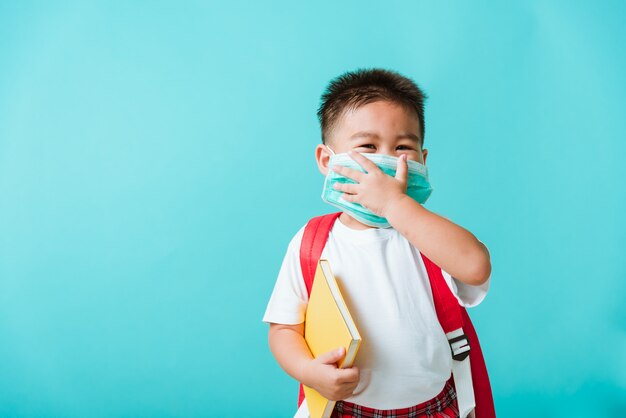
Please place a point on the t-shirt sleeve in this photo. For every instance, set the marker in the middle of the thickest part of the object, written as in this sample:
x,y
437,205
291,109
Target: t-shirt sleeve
x,y
289,299
467,295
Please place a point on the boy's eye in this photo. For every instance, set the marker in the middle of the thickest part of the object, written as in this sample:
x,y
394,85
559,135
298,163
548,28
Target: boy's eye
x,y
404,147
368,146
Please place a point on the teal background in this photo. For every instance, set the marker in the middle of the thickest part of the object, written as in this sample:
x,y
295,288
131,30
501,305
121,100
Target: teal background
x,y
157,157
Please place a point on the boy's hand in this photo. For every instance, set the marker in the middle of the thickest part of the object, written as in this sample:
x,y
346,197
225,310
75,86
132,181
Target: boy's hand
x,y
374,190
330,381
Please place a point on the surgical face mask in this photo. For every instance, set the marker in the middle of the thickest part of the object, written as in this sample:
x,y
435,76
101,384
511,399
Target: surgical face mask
x,y
418,186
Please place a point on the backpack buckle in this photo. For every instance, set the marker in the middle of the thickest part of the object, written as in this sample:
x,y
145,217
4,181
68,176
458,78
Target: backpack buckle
x,y
459,344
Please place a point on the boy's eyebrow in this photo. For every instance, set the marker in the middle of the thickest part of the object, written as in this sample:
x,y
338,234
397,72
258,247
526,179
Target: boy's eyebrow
x,y
361,134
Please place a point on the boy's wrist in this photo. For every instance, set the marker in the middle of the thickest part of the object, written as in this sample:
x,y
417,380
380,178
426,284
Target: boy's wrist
x,y
395,205
304,373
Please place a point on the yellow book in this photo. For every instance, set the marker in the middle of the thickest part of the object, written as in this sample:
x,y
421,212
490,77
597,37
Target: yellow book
x,y
328,325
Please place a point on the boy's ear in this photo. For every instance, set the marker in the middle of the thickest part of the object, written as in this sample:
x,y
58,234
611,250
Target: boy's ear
x,y
424,155
322,156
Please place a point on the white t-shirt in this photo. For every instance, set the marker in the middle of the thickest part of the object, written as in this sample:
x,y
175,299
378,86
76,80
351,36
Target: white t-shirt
x,y
404,358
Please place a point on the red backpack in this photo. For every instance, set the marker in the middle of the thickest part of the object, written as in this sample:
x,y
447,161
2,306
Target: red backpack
x,y
452,316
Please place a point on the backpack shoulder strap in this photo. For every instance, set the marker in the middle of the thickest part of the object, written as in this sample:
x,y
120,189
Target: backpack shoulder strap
x,y
446,305
461,335
313,242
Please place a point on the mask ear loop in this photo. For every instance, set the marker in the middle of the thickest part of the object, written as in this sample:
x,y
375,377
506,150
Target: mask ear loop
x,y
332,154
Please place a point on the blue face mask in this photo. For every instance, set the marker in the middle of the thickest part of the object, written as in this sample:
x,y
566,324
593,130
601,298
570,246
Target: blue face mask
x,y
418,186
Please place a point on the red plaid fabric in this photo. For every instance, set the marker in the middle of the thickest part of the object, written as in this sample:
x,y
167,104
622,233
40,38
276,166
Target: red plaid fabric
x,y
443,405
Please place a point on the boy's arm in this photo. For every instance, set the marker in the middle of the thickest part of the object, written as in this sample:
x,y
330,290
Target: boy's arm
x,y
451,247
292,353
448,245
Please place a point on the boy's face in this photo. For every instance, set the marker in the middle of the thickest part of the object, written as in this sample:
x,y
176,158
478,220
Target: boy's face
x,y
380,127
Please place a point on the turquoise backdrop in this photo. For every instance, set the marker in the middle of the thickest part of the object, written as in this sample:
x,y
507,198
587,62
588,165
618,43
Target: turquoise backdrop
x,y
157,157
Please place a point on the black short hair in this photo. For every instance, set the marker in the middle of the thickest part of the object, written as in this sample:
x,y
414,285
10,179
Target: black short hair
x,y
357,88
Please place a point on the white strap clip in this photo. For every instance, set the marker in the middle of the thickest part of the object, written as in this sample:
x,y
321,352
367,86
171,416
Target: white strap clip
x,y
459,344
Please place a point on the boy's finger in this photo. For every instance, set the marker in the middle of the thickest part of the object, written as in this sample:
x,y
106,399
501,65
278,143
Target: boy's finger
x,y
367,165
349,197
402,168
346,188
350,173
349,375
332,357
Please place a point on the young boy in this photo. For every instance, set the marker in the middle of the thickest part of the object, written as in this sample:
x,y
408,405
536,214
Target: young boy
x,y
404,361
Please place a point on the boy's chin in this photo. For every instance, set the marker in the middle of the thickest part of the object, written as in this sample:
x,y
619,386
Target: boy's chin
x,y
351,222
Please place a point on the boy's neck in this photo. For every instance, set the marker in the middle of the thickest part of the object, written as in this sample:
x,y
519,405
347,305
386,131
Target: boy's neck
x,y
352,223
